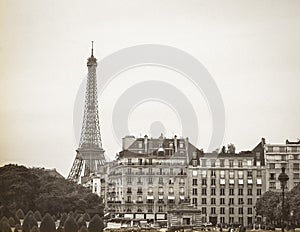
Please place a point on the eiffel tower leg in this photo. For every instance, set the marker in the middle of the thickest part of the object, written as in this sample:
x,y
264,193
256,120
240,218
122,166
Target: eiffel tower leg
x,y
74,174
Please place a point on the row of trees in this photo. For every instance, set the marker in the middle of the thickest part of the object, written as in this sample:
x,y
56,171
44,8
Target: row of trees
x,y
270,206
36,189
68,223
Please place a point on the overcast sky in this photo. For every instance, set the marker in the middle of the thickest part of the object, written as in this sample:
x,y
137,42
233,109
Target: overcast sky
x,y
250,48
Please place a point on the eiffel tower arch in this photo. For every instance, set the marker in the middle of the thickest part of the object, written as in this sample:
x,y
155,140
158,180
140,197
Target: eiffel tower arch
x,y
90,157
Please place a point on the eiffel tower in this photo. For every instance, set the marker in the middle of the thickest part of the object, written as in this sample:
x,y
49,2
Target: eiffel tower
x,y
90,154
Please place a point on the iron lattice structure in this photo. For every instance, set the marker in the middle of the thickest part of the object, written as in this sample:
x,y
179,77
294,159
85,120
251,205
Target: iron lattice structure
x,y
90,154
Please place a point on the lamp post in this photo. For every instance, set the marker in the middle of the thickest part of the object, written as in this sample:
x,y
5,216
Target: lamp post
x,y
283,178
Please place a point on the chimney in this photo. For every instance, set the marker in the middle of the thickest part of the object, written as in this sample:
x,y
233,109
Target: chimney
x,y
146,143
175,143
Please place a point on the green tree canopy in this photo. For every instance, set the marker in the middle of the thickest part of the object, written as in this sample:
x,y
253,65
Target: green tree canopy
x,y
70,225
96,224
47,224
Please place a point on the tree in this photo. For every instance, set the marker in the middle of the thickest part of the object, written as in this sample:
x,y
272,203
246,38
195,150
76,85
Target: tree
x,y
20,214
86,217
83,229
5,227
12,221
267,206
34,229
81,222
96,224
70,225
47,224
63,219
29,222
37,215
3,221
18,227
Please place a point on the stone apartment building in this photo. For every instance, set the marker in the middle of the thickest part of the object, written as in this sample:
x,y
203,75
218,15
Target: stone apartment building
x,y
226,186
169,180
282,155
150,179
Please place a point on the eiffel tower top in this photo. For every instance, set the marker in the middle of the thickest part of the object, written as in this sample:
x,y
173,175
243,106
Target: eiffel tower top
x,y
92,60
90,131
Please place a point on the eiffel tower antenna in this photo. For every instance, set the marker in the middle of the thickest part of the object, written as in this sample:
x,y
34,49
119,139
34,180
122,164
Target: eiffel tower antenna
x,y
90,154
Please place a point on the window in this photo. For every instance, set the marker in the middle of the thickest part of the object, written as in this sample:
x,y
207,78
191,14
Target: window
x,y
213,182
203,191
241,201
150,209
213,201
222,201
160,209
231,174
222,173
213,191
249,201
140,190
129,171
249,210
222,219
272,176
222,162
160,180
195,173
171,171
129,180
203,201
240,163
203,181
249,192
150,161
241,192
195,191
241,210
272,166
213,173
213,210
222,210
231,201
129,161
195,182
270,149
222,192
258,192
140,145
296,166
249,163
203,161
231,163
204,210
258,174
241,174
128,198
231,210
213,163
296,176
194,201
181,145
150,180
194,163
249,174
139,180
231,191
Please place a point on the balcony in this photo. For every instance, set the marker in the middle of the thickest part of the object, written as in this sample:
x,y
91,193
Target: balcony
x,y
160,193
128,202
129,192
160,202
139,202
139,192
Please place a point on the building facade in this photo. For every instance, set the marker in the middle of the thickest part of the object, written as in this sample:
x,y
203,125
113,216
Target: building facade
x,y
150,179
282,155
